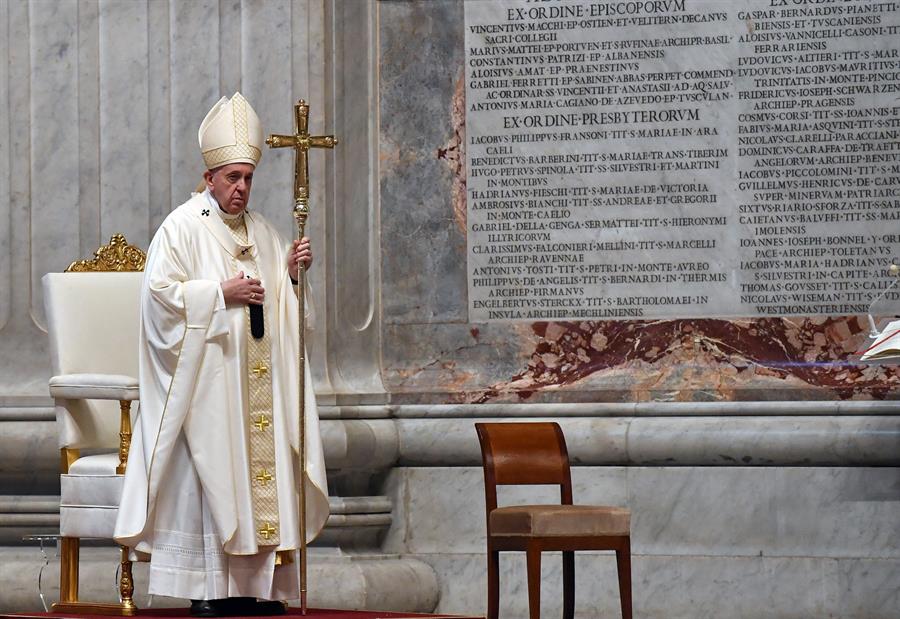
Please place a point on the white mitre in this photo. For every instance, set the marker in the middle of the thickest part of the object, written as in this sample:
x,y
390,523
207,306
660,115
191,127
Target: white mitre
x,y
230,133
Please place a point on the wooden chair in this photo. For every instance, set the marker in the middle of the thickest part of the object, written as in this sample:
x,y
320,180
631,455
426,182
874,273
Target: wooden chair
x,y
93,312
535,454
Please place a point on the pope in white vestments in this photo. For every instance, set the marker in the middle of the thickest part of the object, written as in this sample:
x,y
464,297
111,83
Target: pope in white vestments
x,y
211,483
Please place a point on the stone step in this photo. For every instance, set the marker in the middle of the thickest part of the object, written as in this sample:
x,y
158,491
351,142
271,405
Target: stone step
x,y
374,580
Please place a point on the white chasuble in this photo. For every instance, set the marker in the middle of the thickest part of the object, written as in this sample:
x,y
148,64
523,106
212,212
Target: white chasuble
x,y
210,487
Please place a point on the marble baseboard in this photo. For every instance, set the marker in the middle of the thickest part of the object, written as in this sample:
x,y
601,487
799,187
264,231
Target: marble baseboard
x,y
835,513
664,586
858,440
366,581
682,587
814,512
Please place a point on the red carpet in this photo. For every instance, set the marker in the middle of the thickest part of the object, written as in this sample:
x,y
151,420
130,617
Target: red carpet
x,y
312,613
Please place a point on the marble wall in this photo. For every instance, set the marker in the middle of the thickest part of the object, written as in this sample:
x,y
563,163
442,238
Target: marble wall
x,y
745,448
762,468
431,352
101,101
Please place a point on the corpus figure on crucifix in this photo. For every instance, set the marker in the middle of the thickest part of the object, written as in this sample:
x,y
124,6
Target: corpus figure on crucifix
x,y
211,487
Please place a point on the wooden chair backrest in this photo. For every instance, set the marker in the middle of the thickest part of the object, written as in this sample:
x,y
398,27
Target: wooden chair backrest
x,y
531,453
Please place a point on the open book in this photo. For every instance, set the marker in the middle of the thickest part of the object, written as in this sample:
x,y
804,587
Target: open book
x,y
886,345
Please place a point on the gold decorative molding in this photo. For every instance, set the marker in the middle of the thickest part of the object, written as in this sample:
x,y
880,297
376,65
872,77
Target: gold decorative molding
x,y
117,256
124,435
67,458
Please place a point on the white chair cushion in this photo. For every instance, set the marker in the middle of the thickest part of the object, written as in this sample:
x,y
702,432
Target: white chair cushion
x,y
89,497
94,387
95,465
87,521
90,490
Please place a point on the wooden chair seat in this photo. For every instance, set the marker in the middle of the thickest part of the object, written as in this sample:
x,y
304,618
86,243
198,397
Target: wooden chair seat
x,y
559,520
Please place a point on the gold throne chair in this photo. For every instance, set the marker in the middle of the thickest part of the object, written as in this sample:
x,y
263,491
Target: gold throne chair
x,y
93,314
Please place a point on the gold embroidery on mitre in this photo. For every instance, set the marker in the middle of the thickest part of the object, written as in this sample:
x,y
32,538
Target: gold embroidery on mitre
x,y
241,149
215,158
239,114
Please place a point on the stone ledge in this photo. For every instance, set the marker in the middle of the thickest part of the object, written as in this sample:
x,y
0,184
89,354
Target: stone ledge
x,y
354,523
615,409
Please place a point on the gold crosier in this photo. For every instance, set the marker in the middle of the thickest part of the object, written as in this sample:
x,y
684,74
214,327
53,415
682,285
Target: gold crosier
x,y
301,141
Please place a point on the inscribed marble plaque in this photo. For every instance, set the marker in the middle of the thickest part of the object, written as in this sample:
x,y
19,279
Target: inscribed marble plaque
x,y
680,158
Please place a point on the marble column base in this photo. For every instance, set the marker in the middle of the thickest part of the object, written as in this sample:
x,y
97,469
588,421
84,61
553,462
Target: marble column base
x,y
336,580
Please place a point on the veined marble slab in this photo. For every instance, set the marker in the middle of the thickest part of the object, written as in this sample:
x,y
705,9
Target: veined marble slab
x,y
667,587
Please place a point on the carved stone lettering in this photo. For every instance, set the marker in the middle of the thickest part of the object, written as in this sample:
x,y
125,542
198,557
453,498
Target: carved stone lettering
x,y
675,158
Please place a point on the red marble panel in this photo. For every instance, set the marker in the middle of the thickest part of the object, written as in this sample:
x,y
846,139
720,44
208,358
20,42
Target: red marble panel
x,y
723,359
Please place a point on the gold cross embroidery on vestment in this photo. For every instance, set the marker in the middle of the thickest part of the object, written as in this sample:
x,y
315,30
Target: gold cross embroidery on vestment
x,y
267,530
259,408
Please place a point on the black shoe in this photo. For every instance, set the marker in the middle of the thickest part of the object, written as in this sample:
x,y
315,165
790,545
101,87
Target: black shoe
x,y
266,608
236,607
250,607
205,608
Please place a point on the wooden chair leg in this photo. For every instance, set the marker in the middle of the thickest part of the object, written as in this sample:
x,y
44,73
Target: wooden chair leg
x,y
533,563
493,584
68,569
623,564
568,572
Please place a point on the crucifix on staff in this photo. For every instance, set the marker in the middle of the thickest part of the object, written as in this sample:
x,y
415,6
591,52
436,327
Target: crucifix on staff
x,y
301,141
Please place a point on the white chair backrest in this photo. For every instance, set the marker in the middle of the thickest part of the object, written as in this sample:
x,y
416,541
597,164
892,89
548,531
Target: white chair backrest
x,y
93,323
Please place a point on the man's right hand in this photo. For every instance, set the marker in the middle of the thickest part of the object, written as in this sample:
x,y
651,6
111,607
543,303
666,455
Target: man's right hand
x,y
243,291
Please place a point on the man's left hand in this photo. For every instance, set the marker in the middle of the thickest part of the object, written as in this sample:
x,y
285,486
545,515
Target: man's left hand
x,y
300,253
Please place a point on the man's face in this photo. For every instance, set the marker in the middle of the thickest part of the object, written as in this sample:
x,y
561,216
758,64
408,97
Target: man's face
x,y
230,186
